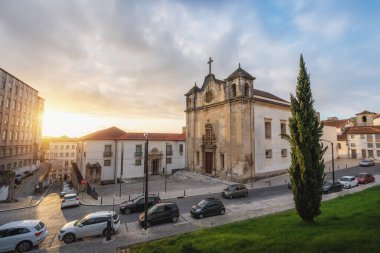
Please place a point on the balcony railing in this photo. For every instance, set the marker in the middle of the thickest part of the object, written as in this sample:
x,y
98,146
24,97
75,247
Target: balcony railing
x,y
107,154
138,153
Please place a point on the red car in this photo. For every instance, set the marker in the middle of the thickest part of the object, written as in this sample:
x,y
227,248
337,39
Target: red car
x,y
364,178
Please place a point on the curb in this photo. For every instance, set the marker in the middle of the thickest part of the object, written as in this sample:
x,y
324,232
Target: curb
x,y
25,207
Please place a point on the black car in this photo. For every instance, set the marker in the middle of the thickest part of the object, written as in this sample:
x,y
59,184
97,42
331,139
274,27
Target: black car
x,y
137,205
207,207
18,179
159,213
329,187
235,190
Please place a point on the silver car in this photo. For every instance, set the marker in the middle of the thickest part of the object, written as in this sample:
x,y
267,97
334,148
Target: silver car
x,y
90,225
22,235
367,162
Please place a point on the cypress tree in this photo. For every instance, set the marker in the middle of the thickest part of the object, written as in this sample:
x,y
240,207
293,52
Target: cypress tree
x,y
306,171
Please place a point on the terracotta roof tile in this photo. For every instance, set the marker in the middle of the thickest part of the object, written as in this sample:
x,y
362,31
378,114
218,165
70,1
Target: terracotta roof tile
x,y
364,130
343,136
336,123
154,136
111,133
365,112
267,95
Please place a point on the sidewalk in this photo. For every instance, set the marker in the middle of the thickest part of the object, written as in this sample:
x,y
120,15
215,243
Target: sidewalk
x,y
131,233
188,185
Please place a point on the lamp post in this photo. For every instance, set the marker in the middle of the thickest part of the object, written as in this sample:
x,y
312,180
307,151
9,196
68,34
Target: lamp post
x,y
146,182
166,161
121,166
332,158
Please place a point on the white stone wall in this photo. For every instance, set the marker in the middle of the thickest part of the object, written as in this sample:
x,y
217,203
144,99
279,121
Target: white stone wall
x,y
376,122
276,143
343,150
360,142
131,170
329,134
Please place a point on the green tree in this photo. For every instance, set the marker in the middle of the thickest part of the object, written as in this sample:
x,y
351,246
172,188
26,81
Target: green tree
x,y
306,171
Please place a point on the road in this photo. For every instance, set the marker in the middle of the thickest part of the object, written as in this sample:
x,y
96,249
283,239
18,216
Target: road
x,y
26,188
50,213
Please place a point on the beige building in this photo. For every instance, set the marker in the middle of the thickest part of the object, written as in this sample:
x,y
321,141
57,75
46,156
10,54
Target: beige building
x,y
61,154
21,111
234,130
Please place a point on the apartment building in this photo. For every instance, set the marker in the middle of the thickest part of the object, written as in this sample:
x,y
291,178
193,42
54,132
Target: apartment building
x,y
21,111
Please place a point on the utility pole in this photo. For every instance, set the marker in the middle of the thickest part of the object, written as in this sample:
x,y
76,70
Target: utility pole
x,y
146,182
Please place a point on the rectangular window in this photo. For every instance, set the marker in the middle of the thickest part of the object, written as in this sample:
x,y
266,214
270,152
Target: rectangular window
x,y
67,154
339,146
61,155
168,160
362,136
138,162
222,161
370,153
66,163
283,129
67,146
369,137
268,130
378,153
352,136
107,151
377,137
197,156
181,149
377,145
268,153
138,152
370,145
72,154
72,146
169,149
284,153
353,145
107,162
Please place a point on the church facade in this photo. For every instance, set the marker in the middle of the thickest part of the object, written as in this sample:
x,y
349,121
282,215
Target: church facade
x,y
234,131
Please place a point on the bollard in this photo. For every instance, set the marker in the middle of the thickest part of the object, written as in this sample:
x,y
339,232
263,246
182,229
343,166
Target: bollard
x,y
184,192
101,201
129,197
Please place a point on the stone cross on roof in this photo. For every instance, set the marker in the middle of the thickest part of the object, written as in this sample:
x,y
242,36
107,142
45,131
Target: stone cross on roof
x,y
209,64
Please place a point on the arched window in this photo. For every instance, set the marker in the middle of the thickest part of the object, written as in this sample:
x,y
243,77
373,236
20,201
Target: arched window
x,y
246,90
233,90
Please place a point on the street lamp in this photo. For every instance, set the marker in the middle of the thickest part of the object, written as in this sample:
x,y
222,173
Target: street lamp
x,y
121,166
332,156
166,161
146,182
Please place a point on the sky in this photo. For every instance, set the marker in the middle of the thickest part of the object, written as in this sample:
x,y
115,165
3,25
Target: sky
x,y
128,64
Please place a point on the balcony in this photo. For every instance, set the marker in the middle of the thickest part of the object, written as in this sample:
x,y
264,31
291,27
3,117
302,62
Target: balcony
x,y
107,154
138,153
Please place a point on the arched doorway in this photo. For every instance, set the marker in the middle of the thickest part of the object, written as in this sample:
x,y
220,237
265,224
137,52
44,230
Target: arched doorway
x,y
155,162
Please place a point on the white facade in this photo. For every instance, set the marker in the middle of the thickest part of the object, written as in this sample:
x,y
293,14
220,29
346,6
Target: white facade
x,y
329,134
279,147
376,122
61,154
364,145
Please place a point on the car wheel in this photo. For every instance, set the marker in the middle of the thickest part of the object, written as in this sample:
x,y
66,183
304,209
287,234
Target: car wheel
x,y
329,191
69,238
127,211
174,219
246,194
24,246
230,196
105,232
148,224
223,211
349,186
201,216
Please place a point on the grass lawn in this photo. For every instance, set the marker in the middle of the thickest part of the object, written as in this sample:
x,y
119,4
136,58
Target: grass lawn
x,y
346,224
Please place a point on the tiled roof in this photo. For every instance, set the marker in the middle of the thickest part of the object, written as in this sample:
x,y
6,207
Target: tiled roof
x,y
336,123
192,90
111,133
365,112
240,73
154,136
364,130
267,95
343,136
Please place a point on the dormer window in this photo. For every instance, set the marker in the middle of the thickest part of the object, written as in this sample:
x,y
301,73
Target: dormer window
x,y
233,90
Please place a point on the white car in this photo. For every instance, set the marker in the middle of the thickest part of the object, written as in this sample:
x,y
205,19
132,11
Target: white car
x,y
70,199
67,191
22,235
90,225
348,181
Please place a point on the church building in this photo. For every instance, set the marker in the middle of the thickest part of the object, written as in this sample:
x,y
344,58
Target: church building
x,y
234,130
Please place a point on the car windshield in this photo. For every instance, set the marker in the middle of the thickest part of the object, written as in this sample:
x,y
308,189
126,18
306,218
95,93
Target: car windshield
x,y
327,183
345,179
137,199
203,203
80,221
153,209
361,175
230,188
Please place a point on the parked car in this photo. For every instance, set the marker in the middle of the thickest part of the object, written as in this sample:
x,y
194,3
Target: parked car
x,y
22,235
364,178
367,162
18,179
348,181
159,213
90,225
235,190
329,187
70,199
138,204
67,191
207,207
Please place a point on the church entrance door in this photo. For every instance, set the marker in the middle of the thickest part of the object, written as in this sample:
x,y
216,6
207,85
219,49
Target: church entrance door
x,y
155,166
208,162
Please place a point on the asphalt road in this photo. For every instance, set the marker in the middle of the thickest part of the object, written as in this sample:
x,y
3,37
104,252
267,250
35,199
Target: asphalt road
x,y
50,213
26,188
